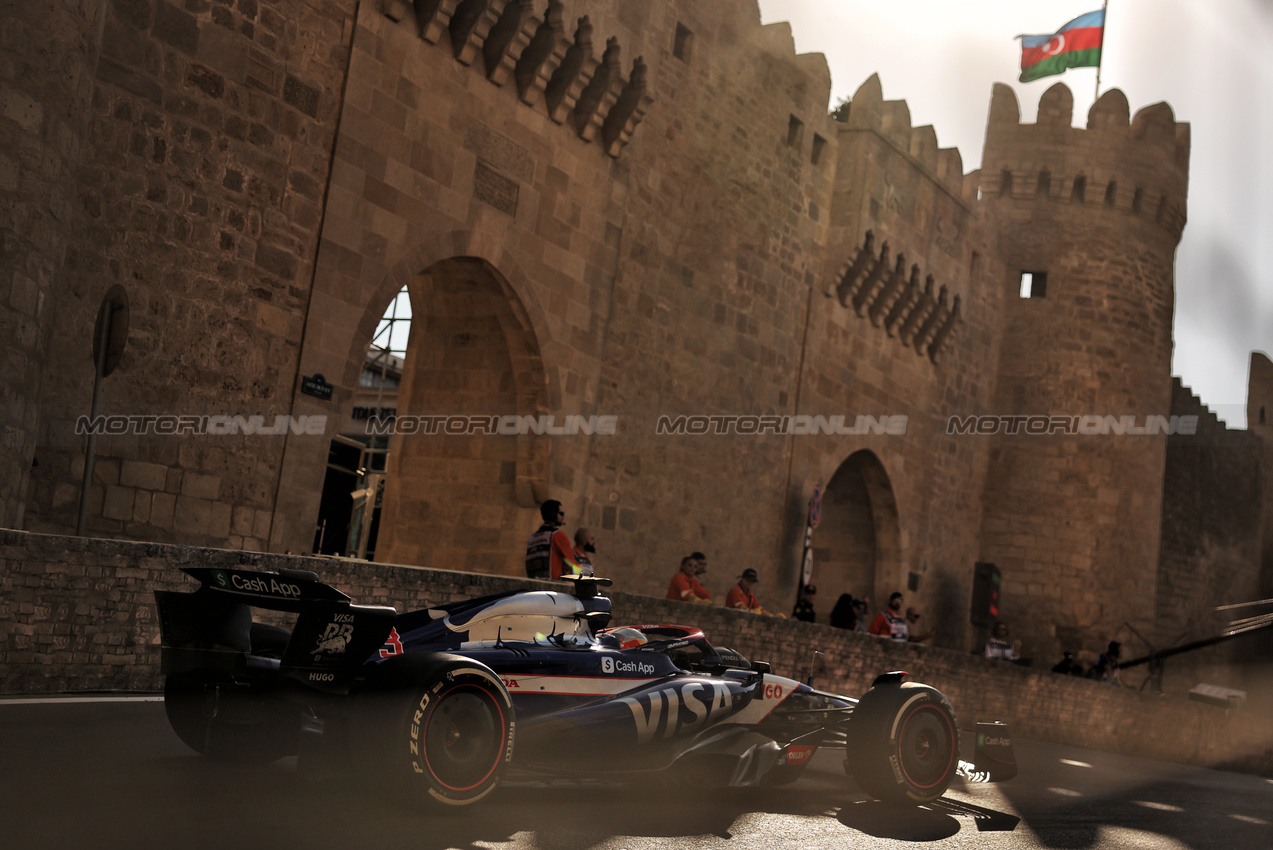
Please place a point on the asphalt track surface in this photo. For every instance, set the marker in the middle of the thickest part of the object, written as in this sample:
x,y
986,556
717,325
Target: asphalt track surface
x,y
107,774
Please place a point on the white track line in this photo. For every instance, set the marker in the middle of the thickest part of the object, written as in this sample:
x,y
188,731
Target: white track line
x,y
58,700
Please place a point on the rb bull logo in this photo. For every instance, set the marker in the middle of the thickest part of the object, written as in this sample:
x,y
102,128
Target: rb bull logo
x,y
678,709
334,639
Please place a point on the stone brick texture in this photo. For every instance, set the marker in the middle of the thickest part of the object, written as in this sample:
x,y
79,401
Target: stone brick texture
x,y
631,209
208,133
78,615
47,54
1213,514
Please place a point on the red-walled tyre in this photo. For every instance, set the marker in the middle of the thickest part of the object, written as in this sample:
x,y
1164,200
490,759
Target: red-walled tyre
x,y
451,731
903,743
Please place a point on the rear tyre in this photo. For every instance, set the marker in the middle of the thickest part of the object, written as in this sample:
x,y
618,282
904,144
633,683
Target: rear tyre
x,y
903,743
452,732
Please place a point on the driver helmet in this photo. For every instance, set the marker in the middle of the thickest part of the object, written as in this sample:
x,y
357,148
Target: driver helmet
x,y
628,637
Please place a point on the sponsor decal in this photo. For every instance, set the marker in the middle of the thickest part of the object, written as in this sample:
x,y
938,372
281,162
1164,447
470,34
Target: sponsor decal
x,y
335,638
322,677
511,684
220,578
265,585
662,647
624,665
414,740
773,691
393,645
800,753
678,709
983,741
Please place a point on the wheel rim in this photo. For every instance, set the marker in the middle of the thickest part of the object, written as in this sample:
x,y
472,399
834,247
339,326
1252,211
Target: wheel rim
x,y
464,738
926,747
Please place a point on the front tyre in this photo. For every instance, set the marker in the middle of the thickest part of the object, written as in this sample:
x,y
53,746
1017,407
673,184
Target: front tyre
x,y
903,743
455,734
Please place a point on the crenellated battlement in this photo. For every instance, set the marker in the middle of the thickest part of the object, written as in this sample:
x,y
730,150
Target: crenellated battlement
x,y
777,40
891,120
1136,167
554,67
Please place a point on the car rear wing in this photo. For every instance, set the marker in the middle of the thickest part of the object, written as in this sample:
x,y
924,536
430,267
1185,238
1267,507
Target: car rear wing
x,y
211,628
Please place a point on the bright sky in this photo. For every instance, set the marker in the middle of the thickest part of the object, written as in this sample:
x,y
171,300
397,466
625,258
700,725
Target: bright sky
x,y
1209,59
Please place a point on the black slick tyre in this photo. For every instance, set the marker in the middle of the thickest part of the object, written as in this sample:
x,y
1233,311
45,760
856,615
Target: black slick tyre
x,y
452,730
903,743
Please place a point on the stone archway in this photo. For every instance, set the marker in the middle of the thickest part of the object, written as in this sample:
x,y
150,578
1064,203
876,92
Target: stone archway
x,y
857,545
458,494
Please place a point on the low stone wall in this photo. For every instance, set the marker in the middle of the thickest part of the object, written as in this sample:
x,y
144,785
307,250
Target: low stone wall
x,y
78,614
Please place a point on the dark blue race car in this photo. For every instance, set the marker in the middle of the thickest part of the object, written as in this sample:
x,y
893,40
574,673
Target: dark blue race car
x,y
533,679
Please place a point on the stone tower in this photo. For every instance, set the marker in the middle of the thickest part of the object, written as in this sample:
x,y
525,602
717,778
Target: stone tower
x,y
1072,504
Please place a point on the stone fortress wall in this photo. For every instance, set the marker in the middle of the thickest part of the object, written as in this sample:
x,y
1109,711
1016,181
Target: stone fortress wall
x,y
637,210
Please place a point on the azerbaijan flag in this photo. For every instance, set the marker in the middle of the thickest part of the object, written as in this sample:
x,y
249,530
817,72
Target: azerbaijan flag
x,y
1075,45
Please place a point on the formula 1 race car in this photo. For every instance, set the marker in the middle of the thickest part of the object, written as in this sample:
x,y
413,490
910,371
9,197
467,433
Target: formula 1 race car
x,y
442,694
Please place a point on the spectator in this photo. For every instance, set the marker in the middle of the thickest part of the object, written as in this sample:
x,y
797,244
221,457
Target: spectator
x,y
861,613
548,551
889,622
1106,667
740,595
804,605
1068,666
999,648
912,624
686,587
701,560
844,614
585,545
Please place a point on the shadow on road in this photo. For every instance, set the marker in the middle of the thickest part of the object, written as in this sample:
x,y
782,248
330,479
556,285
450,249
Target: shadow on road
x,y
897,822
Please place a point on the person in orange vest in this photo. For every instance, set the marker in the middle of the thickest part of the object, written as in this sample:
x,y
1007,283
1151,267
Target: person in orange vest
x,y
890,623
740,595
685,586
548,551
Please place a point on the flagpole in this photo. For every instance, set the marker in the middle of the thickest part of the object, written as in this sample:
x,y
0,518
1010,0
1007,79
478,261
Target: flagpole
x,y
1104,21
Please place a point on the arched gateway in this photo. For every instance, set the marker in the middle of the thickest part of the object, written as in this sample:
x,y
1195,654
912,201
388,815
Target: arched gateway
x,y
857,546
460,485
